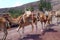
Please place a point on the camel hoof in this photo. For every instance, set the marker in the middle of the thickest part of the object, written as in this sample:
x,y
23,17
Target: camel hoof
x,y
42,31
17,30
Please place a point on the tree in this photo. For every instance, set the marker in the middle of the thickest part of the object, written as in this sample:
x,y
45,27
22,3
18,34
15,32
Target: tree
x,y
30,8
44,4
15,12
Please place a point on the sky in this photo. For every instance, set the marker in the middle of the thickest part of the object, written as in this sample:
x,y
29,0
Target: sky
x,y
13,3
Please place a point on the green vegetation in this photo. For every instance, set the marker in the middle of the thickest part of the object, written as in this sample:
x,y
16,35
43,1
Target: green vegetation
x,y
30,8
15,13
44,4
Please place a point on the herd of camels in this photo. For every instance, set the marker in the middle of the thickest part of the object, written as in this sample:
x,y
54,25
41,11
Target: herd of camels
x,y
24,20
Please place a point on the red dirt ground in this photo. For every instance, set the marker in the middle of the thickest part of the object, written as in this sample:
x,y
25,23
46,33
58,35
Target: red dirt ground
x,y
52,34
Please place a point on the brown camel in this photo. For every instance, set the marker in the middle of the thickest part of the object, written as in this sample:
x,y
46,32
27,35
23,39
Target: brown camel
x,y
26,20
12,20
44,19
3,27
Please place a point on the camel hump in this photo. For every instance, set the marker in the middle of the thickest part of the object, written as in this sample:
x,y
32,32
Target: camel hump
x,y
2,19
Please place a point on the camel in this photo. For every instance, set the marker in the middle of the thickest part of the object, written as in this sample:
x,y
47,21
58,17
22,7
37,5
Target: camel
x,y
12,20
28,18
44,19
3,27
56,14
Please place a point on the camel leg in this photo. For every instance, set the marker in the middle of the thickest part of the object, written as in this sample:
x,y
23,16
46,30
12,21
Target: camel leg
x,y
22,35
5,33
51,20
57,21
44,25
8,25
32,26
41,27
18,28
23,29
47,22
36,25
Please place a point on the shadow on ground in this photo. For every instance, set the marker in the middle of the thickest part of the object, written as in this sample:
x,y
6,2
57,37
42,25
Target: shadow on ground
x,y
58,23
51,25
32,37
49,30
